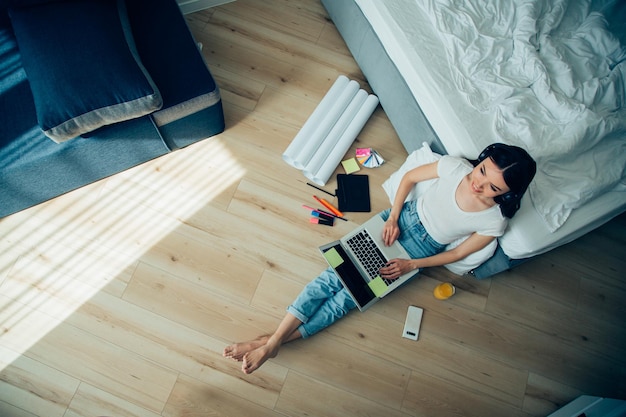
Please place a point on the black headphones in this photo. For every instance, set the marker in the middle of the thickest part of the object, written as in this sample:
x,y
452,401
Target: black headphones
x,y
506,198
489,150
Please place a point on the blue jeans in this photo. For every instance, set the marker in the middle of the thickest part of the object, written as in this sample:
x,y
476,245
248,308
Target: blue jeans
x,y
324,300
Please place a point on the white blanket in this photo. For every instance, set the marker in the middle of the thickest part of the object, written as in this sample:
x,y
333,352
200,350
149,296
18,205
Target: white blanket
x,y
555,76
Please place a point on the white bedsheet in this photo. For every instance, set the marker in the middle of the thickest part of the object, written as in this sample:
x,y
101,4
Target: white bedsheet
x,y
418,51
556,79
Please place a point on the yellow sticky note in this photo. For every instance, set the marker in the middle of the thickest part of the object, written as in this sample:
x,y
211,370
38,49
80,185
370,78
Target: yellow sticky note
x,y
378,286
350,165
333,257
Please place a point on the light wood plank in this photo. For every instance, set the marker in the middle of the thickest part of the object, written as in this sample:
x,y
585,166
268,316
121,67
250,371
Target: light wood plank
x,y
429,396
344,367
192,305
298,400
544,395
50,396
193,398
84,356
588,332
91,401
8,409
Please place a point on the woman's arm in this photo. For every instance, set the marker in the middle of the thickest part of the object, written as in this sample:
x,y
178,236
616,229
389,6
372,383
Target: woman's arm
x,y
408,181
397,267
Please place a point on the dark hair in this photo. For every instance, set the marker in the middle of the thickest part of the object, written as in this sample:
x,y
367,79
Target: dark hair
x,y
518,169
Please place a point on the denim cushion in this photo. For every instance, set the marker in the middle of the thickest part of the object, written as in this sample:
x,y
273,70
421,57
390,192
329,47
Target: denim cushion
x,y
82,66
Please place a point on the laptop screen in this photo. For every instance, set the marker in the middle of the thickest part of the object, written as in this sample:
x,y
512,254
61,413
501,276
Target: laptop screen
x,y
351,277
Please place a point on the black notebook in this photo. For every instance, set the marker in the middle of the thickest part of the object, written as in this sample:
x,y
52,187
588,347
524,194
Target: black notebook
x,y
353,192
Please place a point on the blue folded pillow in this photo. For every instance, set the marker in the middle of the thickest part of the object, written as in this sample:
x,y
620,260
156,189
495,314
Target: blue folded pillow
x,y
82,66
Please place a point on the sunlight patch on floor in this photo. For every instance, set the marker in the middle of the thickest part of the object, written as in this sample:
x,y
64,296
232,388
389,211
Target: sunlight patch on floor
x,y
90,240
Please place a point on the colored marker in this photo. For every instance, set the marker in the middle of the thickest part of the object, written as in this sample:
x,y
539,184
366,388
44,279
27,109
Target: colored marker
x,y
328,206
322,216
325,212
319,220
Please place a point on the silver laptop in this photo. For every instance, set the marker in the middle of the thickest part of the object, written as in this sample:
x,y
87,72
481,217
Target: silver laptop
x,y
357,258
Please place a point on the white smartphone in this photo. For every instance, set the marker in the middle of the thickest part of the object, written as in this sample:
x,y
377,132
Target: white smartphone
x,y
413,323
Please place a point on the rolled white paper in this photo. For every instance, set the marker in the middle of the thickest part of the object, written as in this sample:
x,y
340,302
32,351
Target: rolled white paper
x,y
344,142
328,133
314,129
329,144
333,115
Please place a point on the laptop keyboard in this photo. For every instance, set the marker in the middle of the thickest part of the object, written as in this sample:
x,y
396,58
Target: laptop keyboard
x,y
367,252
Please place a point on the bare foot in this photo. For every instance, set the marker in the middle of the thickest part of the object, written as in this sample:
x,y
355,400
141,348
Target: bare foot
x,y
257,357
238,350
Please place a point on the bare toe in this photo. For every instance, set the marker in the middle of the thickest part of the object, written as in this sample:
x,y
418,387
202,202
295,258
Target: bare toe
x,y
257,357
237,351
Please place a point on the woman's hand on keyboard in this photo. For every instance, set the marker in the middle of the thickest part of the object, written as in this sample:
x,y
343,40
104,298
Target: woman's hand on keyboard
x,y
391,231
396,267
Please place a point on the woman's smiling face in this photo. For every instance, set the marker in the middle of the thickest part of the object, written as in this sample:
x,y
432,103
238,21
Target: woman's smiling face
x,y
486,180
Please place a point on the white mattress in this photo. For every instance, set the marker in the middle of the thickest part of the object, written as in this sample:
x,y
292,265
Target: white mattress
x,y
413,45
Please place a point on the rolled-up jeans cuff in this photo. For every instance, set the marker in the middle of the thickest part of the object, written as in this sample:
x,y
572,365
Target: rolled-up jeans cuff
x,y
294,312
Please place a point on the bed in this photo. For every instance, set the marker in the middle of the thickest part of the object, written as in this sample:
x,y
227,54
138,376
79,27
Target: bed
x,y
551,78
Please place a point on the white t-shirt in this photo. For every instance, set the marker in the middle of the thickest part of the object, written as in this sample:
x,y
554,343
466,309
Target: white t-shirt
x,y
441,215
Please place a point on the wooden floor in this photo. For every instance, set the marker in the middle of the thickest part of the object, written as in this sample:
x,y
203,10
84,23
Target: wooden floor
x,y
117,299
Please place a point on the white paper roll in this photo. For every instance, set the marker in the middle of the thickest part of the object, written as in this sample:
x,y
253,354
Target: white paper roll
x,y
328,147
334,114
321,121
343,143
328,133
